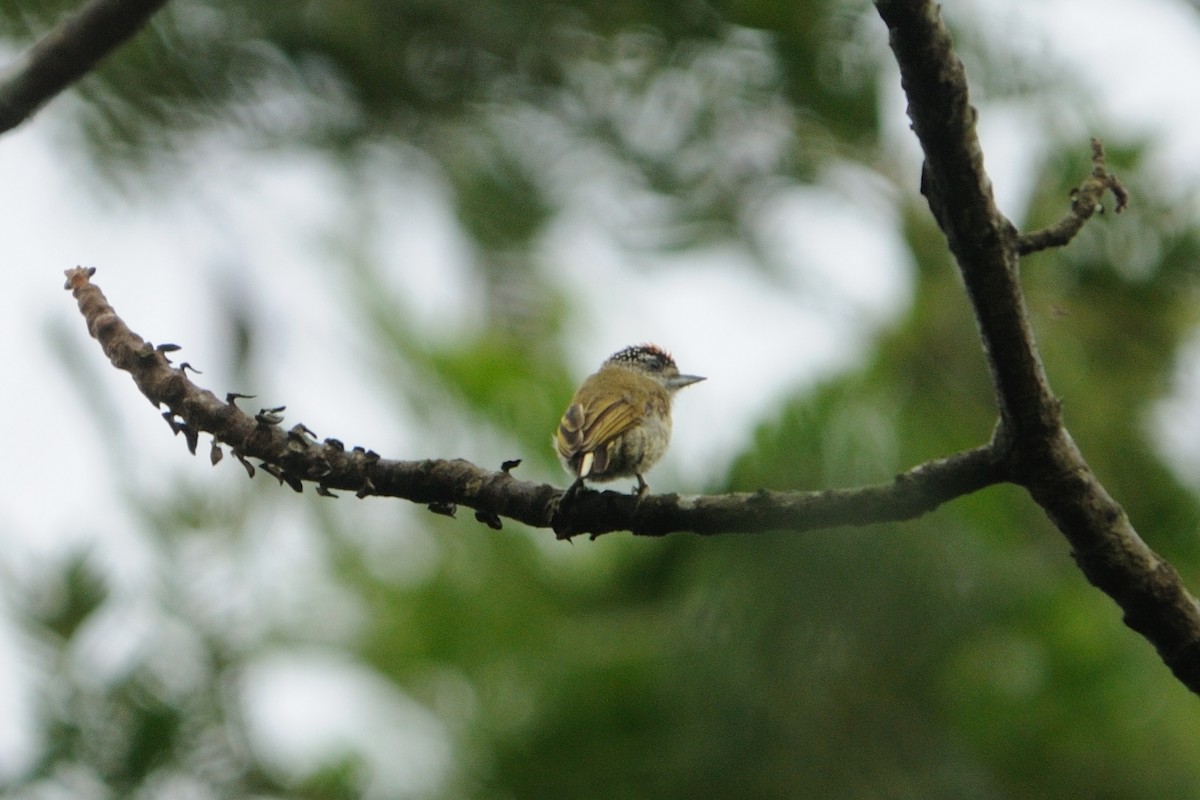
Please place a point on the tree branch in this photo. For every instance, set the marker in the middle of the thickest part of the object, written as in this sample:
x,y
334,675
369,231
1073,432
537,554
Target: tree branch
x,y
1031,439
1031,446
295,456
1085,201
67,53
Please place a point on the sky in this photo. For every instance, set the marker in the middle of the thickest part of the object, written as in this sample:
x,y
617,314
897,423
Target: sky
x,y
260,224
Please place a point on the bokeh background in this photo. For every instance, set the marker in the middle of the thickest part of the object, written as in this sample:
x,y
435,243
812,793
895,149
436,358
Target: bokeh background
x,y
418,225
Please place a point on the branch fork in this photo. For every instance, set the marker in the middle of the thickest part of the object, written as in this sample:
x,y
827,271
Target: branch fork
x,y
1031,446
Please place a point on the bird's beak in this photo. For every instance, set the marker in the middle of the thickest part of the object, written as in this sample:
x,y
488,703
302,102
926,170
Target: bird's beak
x,y
680,381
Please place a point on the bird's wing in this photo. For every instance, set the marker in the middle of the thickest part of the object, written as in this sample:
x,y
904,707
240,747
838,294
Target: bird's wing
x,y
589,428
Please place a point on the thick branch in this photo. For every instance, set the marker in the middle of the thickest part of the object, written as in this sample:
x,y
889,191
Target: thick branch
x,y
1032,439
295,456
960,196
67,53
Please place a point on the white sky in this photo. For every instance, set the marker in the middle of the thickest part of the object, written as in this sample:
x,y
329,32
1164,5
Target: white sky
x,y
266,221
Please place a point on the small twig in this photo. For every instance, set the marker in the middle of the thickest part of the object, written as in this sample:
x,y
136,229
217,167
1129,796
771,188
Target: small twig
x,y
1086,200
67,53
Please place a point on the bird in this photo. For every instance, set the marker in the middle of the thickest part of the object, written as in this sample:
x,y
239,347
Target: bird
x,y
618,423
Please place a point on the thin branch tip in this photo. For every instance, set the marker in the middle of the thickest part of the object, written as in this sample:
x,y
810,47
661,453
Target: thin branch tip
x,y
77,277
1086,200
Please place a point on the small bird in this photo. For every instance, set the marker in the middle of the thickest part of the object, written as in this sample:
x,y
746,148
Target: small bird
x,y
619,421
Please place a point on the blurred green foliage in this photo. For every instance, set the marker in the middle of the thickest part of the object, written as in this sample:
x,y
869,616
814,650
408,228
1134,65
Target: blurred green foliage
x,y
960,655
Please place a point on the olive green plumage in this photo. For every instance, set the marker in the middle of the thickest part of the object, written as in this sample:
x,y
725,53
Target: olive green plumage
x,y
618,424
